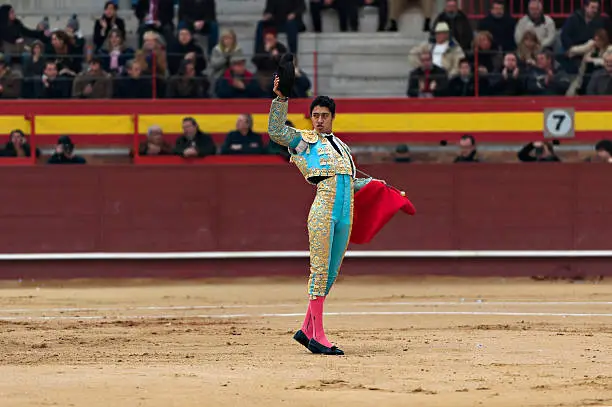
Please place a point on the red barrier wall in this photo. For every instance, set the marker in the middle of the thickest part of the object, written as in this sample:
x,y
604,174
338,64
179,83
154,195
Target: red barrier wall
x,y
201,208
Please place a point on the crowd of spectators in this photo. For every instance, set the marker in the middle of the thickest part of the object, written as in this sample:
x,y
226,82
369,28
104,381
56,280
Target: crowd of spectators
x,y
196,143
186,54
505,57
192,143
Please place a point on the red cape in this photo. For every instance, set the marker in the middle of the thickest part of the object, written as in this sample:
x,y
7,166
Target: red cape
x,y
375,204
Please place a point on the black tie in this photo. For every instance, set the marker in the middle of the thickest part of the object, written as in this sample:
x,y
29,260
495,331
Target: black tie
x,y
333,143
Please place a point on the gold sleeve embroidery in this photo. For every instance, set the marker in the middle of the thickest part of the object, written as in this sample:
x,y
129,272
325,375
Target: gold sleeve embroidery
x,y
277,130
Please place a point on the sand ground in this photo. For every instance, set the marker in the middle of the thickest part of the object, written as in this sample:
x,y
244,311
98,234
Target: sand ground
x,y
412,342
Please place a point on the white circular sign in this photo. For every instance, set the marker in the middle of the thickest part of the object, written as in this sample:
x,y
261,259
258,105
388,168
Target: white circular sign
x,y
559,123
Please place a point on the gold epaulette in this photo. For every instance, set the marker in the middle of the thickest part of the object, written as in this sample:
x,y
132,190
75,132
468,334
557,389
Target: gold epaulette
x,y
310,136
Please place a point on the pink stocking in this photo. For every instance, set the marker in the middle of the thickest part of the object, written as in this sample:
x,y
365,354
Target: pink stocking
x,y
316,313
307,327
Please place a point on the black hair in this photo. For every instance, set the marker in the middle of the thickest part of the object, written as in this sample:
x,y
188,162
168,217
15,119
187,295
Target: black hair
x,y
191,120
499,2
605,145
464,61
324,101
469,137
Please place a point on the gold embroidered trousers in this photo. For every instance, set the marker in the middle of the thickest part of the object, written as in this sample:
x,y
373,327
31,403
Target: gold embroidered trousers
x,y
329,229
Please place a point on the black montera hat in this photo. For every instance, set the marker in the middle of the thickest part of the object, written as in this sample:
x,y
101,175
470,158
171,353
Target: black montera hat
x,y
286,74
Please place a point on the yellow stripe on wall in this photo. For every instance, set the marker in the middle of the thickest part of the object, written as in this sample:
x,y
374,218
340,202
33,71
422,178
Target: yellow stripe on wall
x,y
367,123
10,123
593,121
85,124
217,123
345,123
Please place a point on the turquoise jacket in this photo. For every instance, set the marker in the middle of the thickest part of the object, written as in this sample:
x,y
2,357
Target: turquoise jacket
x,y
311,151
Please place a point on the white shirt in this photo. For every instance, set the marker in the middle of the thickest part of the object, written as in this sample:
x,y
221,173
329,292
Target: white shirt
x,y
437,53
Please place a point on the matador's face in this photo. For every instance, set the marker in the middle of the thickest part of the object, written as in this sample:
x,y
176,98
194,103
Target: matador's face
x,y
322,120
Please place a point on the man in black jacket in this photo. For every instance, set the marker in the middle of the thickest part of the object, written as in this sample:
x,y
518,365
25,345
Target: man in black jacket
x,y
52,85
243,140
500,25
194,143
428,80
457,20
284,16
201,18
64,153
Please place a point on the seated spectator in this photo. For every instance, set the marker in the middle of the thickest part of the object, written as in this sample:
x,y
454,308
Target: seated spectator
x,y
467,150
428,80
153,52
237,82
489,55
267,61
545,78
33,67
185,48
114,54
243,140
592,59
500,25
402,154
457,20
510,81
538,151
64,153
93,83
301,87
397,7
155,144
109,22
63,52
444,50
18,146
187,84
463,84
276,149
223,52
528,49
10,82
13,33
132,84
283,16
201,18
72,30
193,142
582,25
540,24
53,85
156,16
601,81
603,150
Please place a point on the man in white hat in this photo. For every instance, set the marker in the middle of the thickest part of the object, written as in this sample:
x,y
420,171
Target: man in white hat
x,y
445,52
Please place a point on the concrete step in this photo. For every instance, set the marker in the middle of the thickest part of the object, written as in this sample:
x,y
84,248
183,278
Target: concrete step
x,y
368,87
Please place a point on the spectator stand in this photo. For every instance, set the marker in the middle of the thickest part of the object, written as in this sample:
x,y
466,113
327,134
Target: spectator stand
x,y
361,123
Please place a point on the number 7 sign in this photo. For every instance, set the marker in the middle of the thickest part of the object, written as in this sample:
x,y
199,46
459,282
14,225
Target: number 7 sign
x,y
559,123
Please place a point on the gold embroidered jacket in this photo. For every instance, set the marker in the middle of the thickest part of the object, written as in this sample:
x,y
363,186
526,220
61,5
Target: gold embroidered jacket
x,y
311,151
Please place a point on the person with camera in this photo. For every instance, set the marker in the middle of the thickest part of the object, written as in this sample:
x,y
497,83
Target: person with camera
x,y
538,151
64,153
